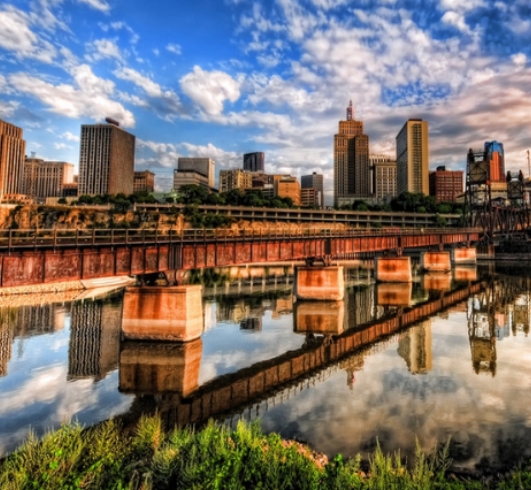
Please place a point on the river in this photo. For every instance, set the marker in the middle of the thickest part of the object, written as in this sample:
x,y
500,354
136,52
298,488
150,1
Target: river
x,y
342,377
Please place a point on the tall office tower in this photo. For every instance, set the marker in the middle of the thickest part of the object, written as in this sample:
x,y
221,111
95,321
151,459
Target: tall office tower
x,y
46,179
234,179
106,159
314,181
12,154
254,162
351,161
412,157
203,166
495,158
383,177
144,181
446,185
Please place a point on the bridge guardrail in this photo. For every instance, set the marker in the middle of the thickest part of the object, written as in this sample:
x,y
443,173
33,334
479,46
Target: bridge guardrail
x,y
39,238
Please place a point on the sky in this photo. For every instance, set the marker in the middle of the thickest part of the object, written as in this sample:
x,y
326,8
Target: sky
x,y
219,78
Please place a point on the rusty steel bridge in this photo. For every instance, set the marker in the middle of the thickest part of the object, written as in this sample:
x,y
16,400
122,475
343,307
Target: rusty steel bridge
x,y
29,257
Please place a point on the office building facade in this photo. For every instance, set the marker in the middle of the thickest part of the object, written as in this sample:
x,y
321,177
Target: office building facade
x,y
446,185
383,170
495,158
234,179
288,186
351,161
12,156
314,181
106,160
254,162
46,179
189,177
144,181
203,166
412,158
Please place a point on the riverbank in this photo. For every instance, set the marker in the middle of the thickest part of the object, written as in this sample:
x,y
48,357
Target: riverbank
x,y
215,457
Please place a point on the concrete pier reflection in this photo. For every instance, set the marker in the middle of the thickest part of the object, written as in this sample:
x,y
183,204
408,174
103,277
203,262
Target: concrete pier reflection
x,y
464,273
149,368
163,313
394,294
319,317
437,281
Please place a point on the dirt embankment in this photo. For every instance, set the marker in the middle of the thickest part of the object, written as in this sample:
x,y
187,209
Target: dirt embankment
x,y
65,217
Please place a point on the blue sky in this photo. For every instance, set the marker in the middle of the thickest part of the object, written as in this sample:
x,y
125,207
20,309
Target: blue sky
x,y
219,78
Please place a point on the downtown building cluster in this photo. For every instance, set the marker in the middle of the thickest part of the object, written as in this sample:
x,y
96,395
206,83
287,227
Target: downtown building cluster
x,y
362,176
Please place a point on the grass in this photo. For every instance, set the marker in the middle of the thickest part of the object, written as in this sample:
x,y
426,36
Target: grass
x,y
213,458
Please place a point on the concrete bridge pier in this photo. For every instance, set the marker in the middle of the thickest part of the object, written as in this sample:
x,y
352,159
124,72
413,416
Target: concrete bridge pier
x,y
463,256
319,283
393,269
151,368
435,261
172,313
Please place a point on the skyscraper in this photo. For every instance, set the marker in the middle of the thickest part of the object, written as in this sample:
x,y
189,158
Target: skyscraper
x,y
106,159
412,157
12,155
351,161
254,162
314,181
495,158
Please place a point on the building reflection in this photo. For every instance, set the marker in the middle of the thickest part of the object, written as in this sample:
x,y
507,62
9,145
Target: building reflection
x,y
94,338
415,348
27,321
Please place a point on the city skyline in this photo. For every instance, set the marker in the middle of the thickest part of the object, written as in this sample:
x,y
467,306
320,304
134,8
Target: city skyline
x,y
272,76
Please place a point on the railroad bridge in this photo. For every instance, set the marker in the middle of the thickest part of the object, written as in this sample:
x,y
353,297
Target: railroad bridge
x,y
29,257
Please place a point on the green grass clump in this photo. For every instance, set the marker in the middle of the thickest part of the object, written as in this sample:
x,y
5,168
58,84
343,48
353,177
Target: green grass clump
x,y
214,457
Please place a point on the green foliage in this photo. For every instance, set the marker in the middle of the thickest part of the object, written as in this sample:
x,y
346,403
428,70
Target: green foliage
x,y
216,457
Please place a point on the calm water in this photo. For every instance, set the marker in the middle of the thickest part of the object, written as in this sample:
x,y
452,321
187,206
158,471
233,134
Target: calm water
x,y
338,376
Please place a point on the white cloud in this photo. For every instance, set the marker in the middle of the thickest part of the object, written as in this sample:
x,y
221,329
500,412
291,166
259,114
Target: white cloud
x,y
105,48
16,36
174,48
62,146
210,89
160,154
69,136
90,96
165,103
519,59
100,5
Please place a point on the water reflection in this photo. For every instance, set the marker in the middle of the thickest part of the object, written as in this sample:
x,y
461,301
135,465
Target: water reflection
x,y
390,361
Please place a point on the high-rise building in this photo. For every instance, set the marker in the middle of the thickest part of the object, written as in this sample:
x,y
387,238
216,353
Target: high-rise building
x,y
46,179
351,161
309,197
189,177
495,158
12,155
314,181
289,186
144,181
204,166
383,177
234,179
254,162
412,157
106,159
446,185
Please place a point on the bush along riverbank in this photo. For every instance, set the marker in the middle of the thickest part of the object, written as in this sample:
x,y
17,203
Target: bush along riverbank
x,y
215,457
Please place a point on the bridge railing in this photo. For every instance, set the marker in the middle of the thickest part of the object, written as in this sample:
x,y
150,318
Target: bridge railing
x,y
43,238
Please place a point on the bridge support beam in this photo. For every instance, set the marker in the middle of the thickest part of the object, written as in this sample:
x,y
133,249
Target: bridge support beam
x,y
464,255
319,283
435,261
160,367
163,313
393,269
319,317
